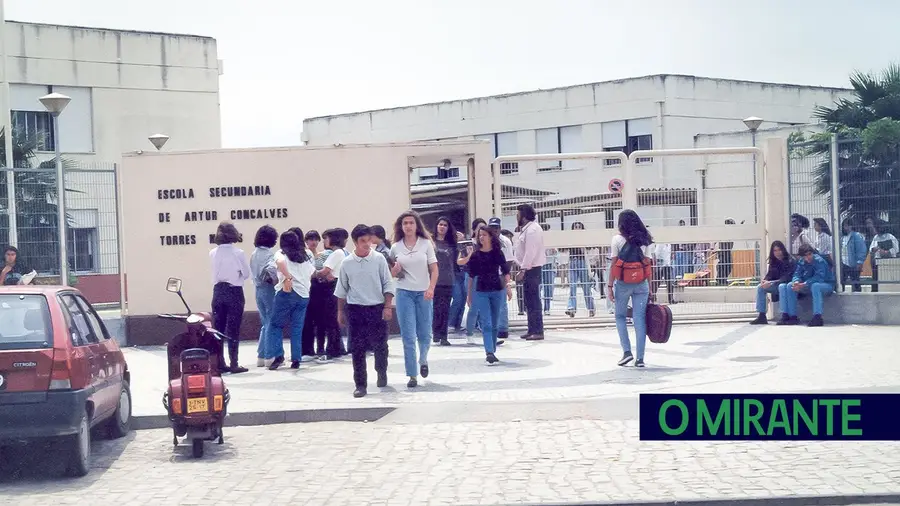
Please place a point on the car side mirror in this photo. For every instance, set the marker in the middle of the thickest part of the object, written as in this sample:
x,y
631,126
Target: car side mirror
x,y
173,285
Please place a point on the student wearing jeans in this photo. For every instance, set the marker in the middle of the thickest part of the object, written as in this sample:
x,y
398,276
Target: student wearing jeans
x,y
489,291
853,256
262,271
781,270
416,270
506,246
295,271
813,276
365,292
633,236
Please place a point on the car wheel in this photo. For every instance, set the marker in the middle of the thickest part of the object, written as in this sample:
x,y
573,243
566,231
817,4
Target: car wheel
x,y
120,423
79,444
197,448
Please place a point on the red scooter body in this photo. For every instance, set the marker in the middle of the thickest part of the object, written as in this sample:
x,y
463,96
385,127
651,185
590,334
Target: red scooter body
x,y
196,400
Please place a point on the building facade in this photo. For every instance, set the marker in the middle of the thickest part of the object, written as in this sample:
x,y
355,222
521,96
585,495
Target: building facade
x,y
653,112
124,86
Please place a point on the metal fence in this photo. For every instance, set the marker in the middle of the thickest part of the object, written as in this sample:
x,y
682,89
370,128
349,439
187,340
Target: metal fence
x,y
702,206
28,220
867,184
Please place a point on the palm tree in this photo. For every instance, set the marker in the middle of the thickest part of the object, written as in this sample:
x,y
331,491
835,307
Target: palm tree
x,y
868,131
36,197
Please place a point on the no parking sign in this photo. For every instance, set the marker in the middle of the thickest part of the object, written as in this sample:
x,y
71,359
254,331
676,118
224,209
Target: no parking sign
x,y
615,185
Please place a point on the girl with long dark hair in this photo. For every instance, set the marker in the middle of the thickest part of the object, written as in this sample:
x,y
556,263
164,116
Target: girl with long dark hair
x,y
630,246
488,286
824,244
230,270
416,270
781,270
446,252
295,270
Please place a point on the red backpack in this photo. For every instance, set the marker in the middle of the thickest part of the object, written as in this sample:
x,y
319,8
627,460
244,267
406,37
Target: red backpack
x,y
631,265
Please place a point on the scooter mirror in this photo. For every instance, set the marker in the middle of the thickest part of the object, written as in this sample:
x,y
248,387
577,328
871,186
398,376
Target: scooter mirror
x,y
173,285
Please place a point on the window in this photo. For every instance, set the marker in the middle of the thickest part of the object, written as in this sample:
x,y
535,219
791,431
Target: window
x,y
82,245
37,127
628,136
95,322
438,173
570,142
82,333
24,322
507,144
547,142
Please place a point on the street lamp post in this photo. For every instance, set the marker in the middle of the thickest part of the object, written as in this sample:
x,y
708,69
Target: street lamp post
x,y
158,140
56,103
752,123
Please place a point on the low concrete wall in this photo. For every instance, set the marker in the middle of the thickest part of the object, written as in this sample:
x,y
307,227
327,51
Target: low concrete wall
x,y
855,308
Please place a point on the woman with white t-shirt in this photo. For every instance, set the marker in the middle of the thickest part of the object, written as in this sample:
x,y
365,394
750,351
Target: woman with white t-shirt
x,y
632,236
824,244
295,270
416,270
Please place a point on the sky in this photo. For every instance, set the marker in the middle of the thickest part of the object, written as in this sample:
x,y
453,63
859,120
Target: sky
x,y
286,60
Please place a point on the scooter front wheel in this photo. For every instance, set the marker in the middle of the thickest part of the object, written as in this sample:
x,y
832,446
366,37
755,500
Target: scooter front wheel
x,y
197,448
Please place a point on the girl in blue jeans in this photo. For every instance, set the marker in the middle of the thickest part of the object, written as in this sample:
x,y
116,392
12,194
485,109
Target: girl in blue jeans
x,y
295,270
489,288
416,269
631,244
781,270
264,276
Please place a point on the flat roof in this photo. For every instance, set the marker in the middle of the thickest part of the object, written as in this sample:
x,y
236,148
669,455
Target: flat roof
x,y
115,30
612,81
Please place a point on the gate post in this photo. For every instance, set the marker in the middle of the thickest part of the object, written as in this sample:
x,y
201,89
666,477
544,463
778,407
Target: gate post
x,y
775,188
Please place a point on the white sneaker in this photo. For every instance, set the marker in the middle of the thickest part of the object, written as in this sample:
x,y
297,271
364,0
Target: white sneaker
x,y
472,341
260,362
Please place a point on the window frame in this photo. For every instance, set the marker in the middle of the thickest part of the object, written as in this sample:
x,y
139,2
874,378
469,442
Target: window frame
x,y
627,147
506,168
89,310
93,245
71,320
49,137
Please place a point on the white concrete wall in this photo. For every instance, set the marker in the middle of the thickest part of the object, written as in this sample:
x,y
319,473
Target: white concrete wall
x,y
679,107
125,86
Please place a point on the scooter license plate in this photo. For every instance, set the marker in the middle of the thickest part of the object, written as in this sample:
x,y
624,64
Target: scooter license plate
x,y
200,405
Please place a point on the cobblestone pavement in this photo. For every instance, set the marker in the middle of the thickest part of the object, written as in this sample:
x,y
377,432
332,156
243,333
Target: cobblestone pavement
x,y
569,365
454,463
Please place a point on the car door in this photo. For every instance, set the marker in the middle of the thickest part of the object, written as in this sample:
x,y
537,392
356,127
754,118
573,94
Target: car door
x,y
112,360
94,354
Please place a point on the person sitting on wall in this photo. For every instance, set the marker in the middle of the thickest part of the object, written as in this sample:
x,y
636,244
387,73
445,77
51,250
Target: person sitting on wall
x,y
812,276
781,271
14,271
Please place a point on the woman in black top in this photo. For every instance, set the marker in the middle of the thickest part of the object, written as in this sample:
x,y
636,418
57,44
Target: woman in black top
x,y
447,254
14,271
488,267
781,270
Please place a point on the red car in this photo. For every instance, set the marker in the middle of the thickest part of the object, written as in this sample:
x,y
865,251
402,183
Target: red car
x,y
61,373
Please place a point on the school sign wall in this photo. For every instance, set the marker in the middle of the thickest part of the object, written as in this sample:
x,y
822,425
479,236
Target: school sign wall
x,y
171,204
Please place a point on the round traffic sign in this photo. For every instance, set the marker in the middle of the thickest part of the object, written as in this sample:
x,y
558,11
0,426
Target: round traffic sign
x,y
615,185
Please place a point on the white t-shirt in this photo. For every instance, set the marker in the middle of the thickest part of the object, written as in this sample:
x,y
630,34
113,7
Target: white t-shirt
x,y
618,242
662,253
824,245
333,262
302,274
507,247
415,263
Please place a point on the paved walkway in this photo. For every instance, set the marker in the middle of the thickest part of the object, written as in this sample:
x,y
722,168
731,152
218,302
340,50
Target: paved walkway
x,y
574,365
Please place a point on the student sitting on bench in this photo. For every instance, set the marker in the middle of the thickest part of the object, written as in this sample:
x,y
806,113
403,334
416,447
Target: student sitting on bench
x,y
812,276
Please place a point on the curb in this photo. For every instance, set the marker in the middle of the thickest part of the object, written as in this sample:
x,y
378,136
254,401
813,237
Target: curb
x,y
256,418
795,500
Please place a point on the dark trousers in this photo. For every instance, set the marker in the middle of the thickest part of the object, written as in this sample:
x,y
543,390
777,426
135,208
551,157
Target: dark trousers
x,y
367,331
228,312
532,291
441,320
723,268
660,274
321,322
851,275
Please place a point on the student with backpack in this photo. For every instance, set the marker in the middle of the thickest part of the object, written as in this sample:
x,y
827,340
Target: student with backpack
x,y
630,280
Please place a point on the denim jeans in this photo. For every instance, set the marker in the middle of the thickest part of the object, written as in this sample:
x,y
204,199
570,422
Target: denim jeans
x,y
579,276
265,298
789,297
288,308
638,293
683,261
490,307
458,304
548,278
414,314
762,296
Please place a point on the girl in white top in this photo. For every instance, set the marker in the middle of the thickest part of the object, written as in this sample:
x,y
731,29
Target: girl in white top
x,y
632,234
824,244
295,270
416,269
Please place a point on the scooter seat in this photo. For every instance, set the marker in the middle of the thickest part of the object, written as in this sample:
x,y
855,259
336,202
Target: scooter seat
x,y
195,354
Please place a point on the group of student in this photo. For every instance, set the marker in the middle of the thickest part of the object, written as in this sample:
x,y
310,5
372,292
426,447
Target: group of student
x,y
808,267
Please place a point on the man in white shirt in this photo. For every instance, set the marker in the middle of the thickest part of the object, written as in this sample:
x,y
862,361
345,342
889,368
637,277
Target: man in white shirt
x,y
530,255
662,269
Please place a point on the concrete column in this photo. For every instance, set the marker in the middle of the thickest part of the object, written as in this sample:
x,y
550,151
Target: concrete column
x,y
775,177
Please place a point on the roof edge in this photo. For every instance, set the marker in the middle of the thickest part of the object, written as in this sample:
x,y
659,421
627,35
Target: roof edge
x,y
558,88
115,30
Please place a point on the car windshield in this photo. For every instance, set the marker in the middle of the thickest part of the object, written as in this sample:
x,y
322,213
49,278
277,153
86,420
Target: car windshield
x,y
24,322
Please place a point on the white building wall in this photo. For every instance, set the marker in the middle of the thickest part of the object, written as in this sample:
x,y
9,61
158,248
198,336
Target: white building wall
x,y
125,86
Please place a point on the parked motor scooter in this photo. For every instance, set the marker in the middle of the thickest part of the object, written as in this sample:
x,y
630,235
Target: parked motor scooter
x,y
196,400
